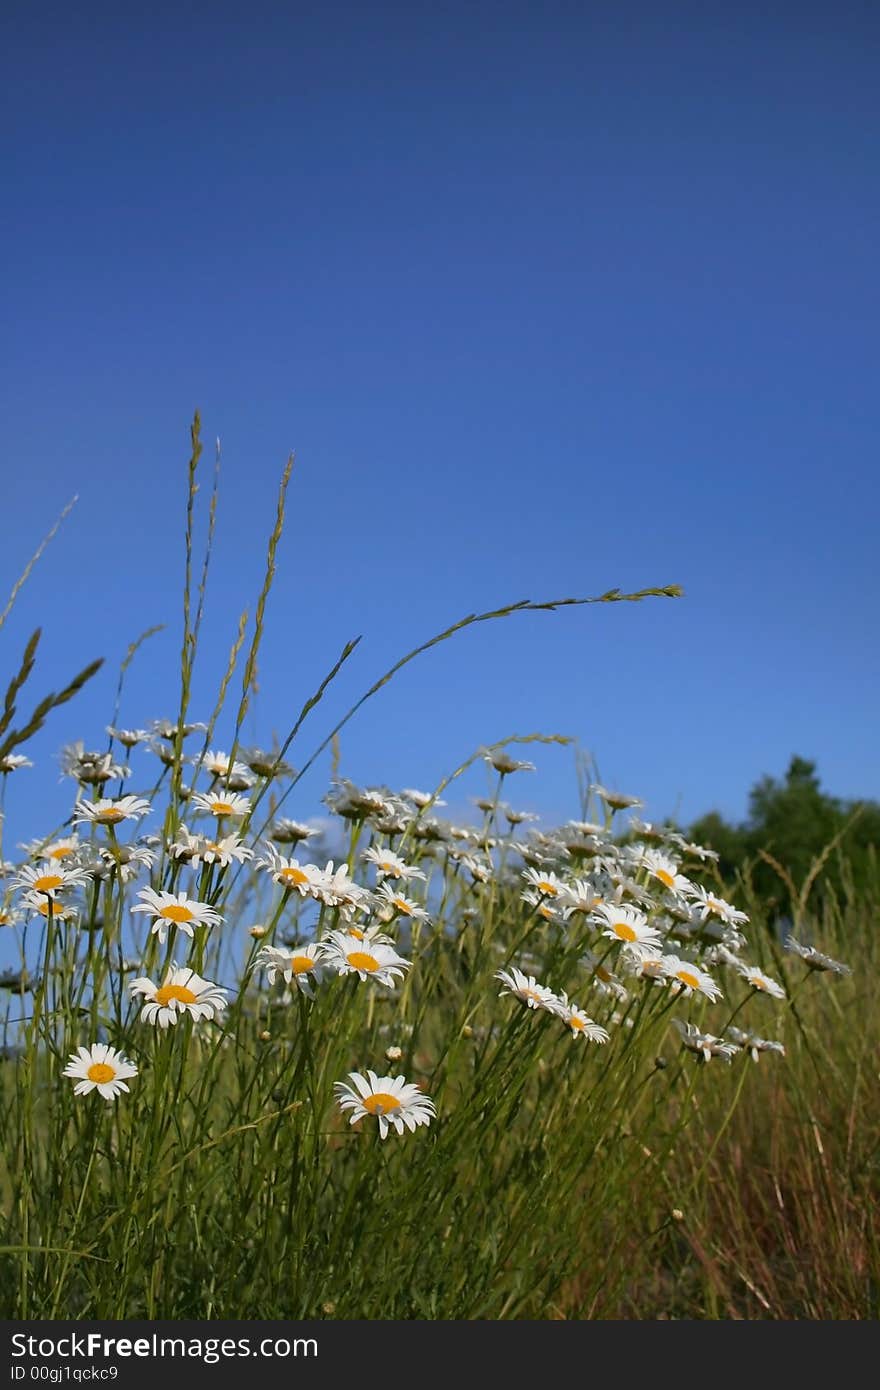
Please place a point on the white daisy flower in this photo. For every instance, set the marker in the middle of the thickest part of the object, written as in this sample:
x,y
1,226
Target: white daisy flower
x,y
581,1025
629,925
503,763
49,878
618,801
369,960
109,812
604,979
42,902
164,728
290,832
420,799
221,803
200,849
527,989
543,882
392,1100
336,889
390,865
706,904
750,1042
170,909
705,1044
580,895
123,861
129,738
65,848
551,909
297,965
219,765
13,761
99,1068
389,897
665,869
306,879
690,978
182,991
815,960
761,982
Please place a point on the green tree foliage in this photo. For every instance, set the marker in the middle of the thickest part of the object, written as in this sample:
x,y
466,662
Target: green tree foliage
x,y
795,821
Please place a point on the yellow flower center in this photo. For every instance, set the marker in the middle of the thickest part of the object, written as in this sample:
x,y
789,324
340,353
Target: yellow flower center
x,y
300,965
293,877
362,960
604,974
625,932
99,1072
665,877
178,992
715,906
575,1024
381,1103
221,808
356,933
60,851
110,815
47,883
402,906
549,888
688,978
213,847
176,912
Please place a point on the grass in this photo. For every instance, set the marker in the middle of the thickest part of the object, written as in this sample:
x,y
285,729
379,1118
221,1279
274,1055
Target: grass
x,y
575,1162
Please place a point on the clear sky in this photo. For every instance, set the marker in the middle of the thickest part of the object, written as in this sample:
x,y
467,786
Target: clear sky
x,y
546,298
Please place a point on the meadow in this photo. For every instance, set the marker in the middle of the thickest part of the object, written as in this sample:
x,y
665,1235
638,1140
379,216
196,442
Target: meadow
x,y
450,1070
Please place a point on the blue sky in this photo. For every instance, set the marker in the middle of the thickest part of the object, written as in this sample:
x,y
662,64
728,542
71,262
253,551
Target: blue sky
x,y
547,300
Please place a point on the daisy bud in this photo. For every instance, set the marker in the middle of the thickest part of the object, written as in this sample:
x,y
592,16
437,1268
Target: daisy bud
x,y
257,932
394,1054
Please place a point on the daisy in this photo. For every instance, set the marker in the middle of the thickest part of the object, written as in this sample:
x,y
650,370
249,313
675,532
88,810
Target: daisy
x,y
93,768
336,889
618,801
544,882
219,765
58,849
815,960
41,903
221,803
581,896
125,861
13,761
706,903
163,728
405,906
265,764
750,1042
551,910
110,812
199,849
176,910
391,1099
604,979
306,879
49,878
183,991
420,799
9,916
706,1044
690,977
128,737
761,982
391,865
100,1068
299,965
581,1025
629,925
290,832
527,989
503,763
368,960
665,870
